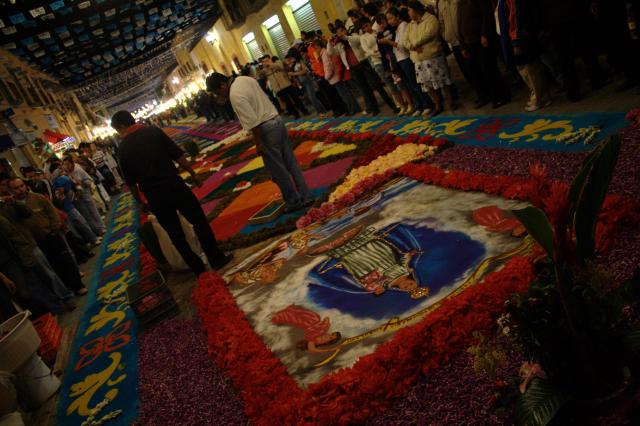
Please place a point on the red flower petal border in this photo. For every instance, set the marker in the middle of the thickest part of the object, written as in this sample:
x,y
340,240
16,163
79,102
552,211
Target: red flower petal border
x,y
350,395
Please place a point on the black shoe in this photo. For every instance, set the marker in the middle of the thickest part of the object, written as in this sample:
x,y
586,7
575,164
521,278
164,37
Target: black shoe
x,y
436,112
626,85
574,97
498,104
291,209
480,103
222,262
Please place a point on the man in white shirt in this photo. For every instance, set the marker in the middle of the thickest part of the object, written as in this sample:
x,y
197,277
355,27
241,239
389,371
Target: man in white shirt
x,y
257,114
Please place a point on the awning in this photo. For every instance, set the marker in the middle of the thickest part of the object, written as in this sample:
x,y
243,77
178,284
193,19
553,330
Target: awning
x,y
54,137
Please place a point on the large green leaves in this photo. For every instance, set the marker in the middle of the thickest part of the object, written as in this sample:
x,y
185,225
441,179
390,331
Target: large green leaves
x,y
538,227
601,165
539,404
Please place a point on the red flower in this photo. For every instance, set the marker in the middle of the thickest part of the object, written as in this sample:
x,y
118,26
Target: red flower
x,y
351,395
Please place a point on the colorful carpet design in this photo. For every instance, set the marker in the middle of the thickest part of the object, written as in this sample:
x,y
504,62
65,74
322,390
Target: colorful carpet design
x,y
102,377
331,293
237,180
234,219
337,321
534,131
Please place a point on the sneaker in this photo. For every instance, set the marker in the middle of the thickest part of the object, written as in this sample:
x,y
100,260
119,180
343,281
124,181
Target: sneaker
x,y
531,108
410,110
222,262
426,113
417,113
402,111
82,291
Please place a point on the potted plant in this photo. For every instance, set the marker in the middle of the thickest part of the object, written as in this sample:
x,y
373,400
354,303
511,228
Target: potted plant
x,y
573,323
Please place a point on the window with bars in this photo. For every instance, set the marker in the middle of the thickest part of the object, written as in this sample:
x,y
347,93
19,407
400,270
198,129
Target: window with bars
x,y
306,18
279,39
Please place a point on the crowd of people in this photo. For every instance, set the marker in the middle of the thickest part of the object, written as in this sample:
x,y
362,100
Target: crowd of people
x,y
400,50
50,222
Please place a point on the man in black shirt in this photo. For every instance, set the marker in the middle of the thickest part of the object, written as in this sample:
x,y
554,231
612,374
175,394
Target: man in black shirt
x,y
147,158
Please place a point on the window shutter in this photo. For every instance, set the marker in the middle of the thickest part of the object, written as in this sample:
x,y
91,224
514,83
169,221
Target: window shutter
x,y
280,40
305,18
254,49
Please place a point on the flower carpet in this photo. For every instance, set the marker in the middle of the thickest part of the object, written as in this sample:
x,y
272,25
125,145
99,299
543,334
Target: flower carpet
x,y
567,133
364,312
100,383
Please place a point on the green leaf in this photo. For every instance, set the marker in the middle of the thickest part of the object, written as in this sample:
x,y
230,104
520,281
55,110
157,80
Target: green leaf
x,y
592,196
538,227
577,185
539,404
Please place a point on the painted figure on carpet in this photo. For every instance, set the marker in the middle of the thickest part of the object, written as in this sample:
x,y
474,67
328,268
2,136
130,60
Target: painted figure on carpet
x,y
494,219
373,261
264,270
316,329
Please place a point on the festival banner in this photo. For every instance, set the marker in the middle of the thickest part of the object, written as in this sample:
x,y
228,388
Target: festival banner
x,y
101,380
568,133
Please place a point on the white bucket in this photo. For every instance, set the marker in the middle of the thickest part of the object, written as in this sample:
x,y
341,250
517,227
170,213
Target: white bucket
x,y
20,341
8,397
12,419
35,383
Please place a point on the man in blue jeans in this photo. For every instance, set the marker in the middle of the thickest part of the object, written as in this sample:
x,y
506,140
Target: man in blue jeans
x,y
256,113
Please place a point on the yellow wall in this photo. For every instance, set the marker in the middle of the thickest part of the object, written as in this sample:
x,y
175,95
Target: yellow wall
x,y
33,119
230,43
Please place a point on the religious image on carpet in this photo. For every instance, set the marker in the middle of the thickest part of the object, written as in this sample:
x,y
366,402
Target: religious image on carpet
x,y
330,293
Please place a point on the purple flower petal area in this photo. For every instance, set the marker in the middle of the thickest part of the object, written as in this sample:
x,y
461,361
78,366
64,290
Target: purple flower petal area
x,y
622,259
454,395
560,165
179,383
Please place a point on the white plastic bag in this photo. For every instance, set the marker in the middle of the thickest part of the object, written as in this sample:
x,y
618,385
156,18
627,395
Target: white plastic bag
x,y
169,250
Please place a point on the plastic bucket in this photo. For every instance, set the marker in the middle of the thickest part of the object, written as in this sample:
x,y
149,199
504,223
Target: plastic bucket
x,y
35,383
18,342
12,419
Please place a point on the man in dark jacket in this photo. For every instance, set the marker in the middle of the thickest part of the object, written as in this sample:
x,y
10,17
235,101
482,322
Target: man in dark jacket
x,y
568,27
478,42
519,25
147,157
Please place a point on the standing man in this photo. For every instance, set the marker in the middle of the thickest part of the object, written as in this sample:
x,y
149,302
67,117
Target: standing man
x,y
257,113
281,85
36,214
147,158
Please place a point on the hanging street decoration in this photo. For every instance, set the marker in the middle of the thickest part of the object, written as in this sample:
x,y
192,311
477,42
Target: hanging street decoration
x,y
79,42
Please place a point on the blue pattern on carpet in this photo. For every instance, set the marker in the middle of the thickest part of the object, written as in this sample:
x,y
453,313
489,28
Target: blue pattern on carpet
x,y
532,131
